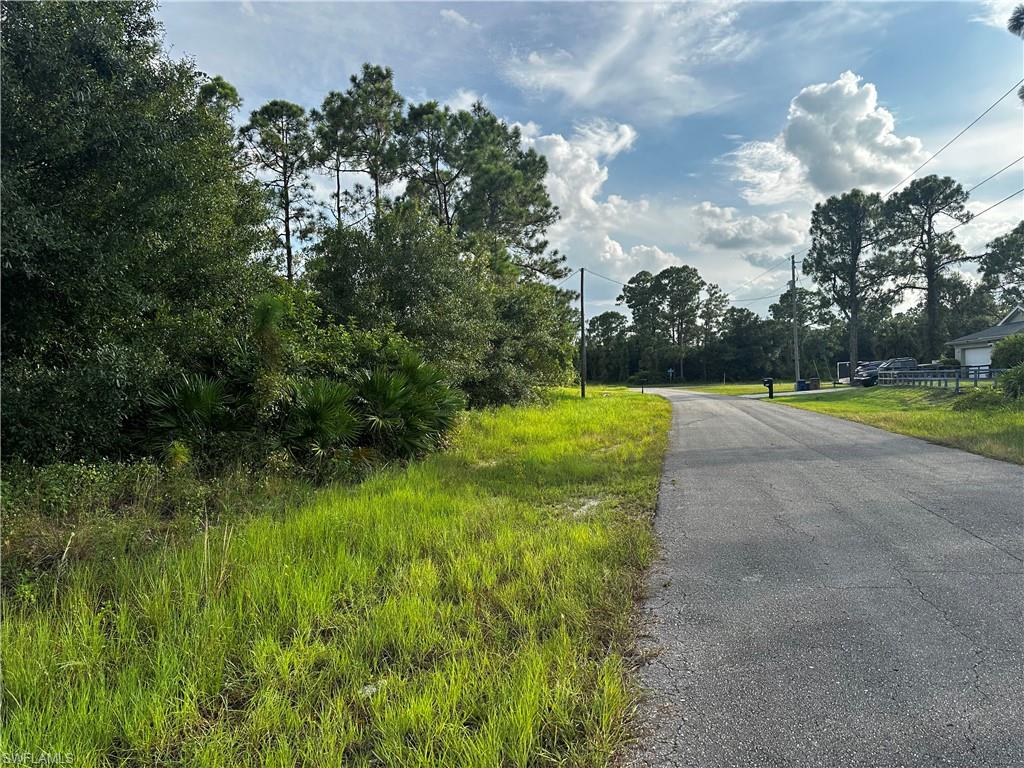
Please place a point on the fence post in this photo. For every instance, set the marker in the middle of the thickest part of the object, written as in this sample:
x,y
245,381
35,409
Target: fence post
x,y
957,390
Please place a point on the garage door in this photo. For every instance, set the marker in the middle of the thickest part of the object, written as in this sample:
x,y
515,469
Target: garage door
x,y
978,356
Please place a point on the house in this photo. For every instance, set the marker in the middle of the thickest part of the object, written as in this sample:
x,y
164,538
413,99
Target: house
x,y
976,348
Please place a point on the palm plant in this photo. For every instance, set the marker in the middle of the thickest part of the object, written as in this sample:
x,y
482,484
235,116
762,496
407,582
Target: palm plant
x,y
188,411
1016,21
321,416
1016,26
409,410
383,397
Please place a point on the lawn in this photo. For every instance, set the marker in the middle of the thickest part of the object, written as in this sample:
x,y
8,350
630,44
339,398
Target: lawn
x,y
927,413
751,388
470,609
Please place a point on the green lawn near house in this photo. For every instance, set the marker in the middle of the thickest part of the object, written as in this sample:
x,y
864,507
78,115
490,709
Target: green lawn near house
x,y
469,609
927,413
747,388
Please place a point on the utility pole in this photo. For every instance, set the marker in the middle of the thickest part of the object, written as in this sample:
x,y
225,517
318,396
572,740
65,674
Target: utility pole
x,y
796,317
583,342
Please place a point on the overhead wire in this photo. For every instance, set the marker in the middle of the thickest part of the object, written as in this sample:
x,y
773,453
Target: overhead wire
x,y
961,133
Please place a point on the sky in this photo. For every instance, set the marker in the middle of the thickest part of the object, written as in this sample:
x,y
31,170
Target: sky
x,y
695,133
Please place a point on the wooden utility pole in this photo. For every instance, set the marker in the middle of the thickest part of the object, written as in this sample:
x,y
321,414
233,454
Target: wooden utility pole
x,y
796,318
583,342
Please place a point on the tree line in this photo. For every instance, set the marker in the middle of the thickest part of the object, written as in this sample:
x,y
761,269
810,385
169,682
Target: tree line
x,y
867,251
866,254
173,278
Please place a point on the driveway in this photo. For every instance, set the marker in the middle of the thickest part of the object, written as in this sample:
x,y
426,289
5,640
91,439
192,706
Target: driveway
x,y
829,594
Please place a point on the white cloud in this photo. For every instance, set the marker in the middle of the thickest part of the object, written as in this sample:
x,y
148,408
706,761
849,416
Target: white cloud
x,y
648,57
836,137
996,13
457,19
726,228
976,235
619,236
463,98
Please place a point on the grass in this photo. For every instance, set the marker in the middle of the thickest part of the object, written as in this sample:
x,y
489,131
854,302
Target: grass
x,y
751,388
468,610
997,432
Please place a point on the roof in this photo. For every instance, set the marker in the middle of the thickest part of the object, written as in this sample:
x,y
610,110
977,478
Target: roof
x,y
1014,315
994,333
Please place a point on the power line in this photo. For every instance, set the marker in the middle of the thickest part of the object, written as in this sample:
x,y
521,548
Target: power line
x,y
610,280
1001,170
969,126
566,279
759,276
981,213
758,298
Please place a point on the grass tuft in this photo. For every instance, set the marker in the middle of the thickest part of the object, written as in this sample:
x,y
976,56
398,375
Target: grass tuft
x,y
457,612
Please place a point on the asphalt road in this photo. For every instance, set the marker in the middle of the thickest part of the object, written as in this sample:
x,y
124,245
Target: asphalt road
x,y
829,594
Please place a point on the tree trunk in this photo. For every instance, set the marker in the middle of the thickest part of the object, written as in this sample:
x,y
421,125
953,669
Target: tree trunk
x,y
288,233
681,350
337,194
931,313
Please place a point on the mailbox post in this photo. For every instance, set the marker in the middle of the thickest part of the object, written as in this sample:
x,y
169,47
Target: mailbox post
x,y
770,383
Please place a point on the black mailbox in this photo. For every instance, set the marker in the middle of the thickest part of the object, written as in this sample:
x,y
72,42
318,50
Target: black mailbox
x,y
770,383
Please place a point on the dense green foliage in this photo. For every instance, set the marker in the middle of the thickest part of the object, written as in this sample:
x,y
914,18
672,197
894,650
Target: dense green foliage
x,y
131,241
144,314
471,609
1008,352
1002,265
1011,382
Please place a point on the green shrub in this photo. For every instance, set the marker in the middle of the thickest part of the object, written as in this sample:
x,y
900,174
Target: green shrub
x,y
407,411
189,412
1008,352
979,400
1011,382
322,414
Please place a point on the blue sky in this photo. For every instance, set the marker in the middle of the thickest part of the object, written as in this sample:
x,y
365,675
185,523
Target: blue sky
x,y
698,133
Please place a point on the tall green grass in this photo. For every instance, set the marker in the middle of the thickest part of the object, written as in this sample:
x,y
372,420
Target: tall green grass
x,y
469,610
995,431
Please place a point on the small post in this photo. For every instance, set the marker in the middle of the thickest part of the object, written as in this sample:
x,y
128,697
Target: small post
x,y
583,343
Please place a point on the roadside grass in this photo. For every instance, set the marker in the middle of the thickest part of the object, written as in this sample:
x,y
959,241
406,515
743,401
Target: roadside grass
x,y
997,432
470,609
749,388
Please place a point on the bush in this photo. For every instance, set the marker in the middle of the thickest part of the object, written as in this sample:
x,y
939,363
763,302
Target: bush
x,y
1012,382
979,400
1008,352
409,410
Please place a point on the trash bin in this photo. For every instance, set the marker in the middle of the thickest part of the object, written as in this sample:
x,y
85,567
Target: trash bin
x,y
801,385
814,383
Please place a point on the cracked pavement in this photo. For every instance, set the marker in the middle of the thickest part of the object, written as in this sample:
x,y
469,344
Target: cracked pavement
x,y
829,594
